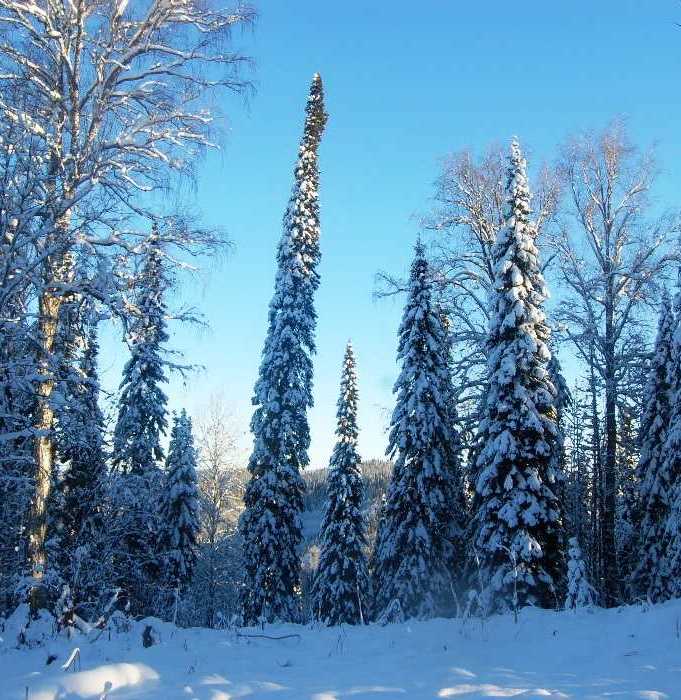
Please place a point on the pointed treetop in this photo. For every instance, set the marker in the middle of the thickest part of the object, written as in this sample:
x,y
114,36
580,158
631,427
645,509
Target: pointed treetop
x,y
316,114
677,293
518,199
517,157
665,302
419,249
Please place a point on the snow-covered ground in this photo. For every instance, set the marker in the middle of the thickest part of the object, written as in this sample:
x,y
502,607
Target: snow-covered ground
x,y
624,653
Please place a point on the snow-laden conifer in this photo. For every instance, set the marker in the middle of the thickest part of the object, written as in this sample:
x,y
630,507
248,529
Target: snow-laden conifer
x,y
270,525
341,588
142,404
179,508
517,542
413,555
580,594
137,450
669,569
654,481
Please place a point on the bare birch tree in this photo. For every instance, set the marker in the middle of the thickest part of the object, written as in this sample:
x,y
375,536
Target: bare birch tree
x,y
613,257
222,479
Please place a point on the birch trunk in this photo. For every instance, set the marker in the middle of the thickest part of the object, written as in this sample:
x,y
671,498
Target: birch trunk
x,y
59,270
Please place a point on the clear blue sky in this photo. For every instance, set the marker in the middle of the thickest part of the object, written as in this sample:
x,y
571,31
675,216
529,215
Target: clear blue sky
x,y
405,83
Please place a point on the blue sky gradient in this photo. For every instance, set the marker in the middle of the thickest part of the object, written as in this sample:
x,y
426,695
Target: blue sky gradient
x,y
406,83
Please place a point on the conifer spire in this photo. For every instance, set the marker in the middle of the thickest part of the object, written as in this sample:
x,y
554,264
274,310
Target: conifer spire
x,y
142,405
517,516
142,421
413,555
666,582
580,594
341,588
655,482
270,524
178,512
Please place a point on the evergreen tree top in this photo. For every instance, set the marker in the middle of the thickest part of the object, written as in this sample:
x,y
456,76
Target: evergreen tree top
x,y
421,384
298,253
142,402
149,324
676,306
346,430
666,324
181,452
520,286
316,116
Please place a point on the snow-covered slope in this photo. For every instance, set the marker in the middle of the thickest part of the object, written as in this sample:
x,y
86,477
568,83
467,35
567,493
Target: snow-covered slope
x,y
630,652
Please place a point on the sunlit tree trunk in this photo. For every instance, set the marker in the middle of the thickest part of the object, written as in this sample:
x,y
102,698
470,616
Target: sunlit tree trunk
x,y
59,271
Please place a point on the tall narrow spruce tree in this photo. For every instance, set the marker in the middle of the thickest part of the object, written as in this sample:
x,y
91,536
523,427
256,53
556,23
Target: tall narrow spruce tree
x,y
137,450
142,411
669,569
654,481
517,543
270,525
179,510
580,594
341,591
413,555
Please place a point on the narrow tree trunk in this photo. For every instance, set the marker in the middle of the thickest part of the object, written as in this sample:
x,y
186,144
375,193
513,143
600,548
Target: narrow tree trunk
x,y
610,579
595,481
59,269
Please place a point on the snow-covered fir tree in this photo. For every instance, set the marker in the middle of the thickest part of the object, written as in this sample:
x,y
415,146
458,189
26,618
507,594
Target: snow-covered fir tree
x,y
137,450
270,525
83,484
413,560
517,542
179,509
341,591
669,569
142,412
654,481
580,594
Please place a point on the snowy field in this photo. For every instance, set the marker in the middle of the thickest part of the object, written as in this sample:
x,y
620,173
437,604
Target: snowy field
x,y
623,653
